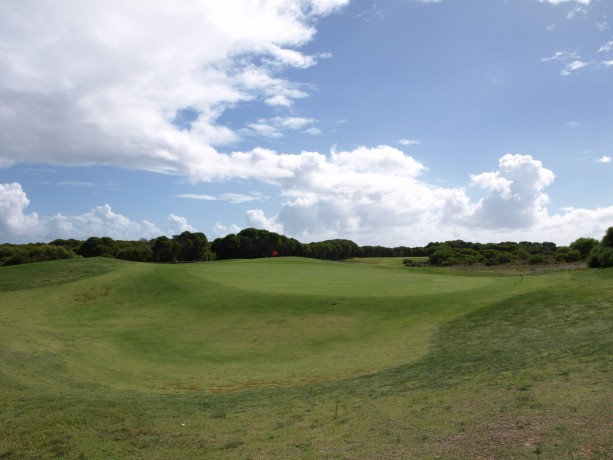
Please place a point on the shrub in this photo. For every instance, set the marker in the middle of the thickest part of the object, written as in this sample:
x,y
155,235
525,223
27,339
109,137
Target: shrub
x,y
600,257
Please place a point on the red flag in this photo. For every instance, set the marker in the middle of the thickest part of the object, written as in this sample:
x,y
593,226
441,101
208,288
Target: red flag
x,y
275,253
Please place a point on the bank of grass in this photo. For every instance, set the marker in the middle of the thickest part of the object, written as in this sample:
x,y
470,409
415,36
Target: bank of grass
x,y
293,358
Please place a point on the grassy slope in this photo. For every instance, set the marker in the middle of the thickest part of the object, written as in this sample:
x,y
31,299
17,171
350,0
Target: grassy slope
x,y
124,363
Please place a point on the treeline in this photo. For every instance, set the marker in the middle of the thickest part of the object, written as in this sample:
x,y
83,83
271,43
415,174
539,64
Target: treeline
x,y
252,243
460,252
192,247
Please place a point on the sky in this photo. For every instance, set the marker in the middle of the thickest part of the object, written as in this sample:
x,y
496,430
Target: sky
x,y
387,122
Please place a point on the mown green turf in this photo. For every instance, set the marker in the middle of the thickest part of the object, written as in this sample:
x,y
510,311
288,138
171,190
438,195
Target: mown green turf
x,y
295,358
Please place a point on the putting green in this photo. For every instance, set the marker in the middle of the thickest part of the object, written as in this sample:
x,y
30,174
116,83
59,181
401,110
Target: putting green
x,y
308,277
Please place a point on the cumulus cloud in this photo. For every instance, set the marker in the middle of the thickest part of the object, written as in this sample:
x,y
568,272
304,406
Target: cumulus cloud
x,y
14,222
516,198
105,83
179,225
17,225
370,195
377,196
221,230
604,159
257,219
100,221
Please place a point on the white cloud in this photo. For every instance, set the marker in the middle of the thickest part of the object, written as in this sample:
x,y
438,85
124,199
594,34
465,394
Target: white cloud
x,y
221,230
375,196
179,225
573,62
564,56
265,130
573,124
14,222
279,101
408,142
604,159
16,225
196,196
68,183
573,67
572,14
607,63
607,47
234,198
323,7
100,221
273,128
292,122
257,219
602,26
84,83
557,2
580,7
370,195
493,181
313,131
517,199
237,198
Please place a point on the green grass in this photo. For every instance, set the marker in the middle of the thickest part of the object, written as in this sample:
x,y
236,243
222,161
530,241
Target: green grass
x,y
297,358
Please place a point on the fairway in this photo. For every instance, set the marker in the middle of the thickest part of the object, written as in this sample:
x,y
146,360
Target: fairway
x,y
224,326
104,328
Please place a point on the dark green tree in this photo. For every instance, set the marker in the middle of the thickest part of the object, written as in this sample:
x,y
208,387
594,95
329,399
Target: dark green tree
x,y
94,247
164,249
192,247
601,255
584,246
227,247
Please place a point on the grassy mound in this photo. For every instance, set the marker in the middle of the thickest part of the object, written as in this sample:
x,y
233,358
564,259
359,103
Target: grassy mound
x,y
300,358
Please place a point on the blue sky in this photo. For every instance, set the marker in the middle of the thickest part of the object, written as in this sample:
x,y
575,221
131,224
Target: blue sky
x,y
394,122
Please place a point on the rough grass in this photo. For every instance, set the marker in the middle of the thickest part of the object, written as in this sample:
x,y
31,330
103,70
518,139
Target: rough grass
x,y
214,360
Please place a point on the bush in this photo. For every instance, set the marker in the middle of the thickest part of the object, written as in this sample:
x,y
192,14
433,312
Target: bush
x,y
572,256
600,257
537,259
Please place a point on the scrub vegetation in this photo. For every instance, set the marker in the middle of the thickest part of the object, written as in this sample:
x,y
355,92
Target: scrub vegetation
x,y
302,358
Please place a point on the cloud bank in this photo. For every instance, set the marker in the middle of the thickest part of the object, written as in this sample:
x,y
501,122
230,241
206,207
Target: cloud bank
x,y
376,196
370,195
16,225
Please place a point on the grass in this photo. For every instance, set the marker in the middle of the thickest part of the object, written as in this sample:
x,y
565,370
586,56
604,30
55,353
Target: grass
x,y
296,358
